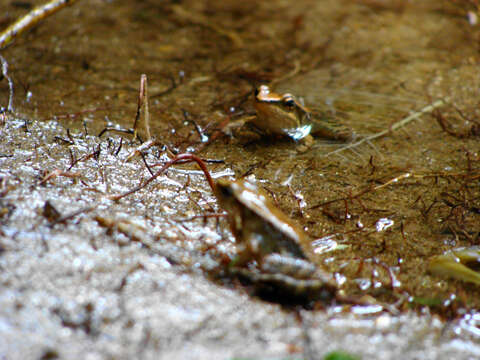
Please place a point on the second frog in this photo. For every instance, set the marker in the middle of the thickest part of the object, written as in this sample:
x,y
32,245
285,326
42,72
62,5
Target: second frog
x,y
285,115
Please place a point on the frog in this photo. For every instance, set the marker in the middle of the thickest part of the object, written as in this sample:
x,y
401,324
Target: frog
x,y
285,115
273,252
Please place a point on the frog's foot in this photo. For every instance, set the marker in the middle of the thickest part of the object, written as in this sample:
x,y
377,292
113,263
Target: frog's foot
x,y
242,258
305,144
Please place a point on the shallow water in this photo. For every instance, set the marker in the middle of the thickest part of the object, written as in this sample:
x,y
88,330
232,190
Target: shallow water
x,y
385,207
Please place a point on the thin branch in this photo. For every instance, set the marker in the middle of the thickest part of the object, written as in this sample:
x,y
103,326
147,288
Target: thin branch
x,y
31,19
201,20
394,127
70,216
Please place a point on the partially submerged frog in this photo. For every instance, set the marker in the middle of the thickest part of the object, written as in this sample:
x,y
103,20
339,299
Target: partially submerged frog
x,y
285,115
275,248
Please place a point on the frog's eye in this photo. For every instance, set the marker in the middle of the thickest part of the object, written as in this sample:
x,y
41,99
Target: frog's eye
x,y
288,101
226,191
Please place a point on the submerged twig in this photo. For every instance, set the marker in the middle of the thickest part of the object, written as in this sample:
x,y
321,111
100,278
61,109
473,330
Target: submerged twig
x,y
31,19
295,71
199,19
473,130
136,233
140,149
204,217
396,180
119,130
74,115
56,173
65,218
395,126
95,155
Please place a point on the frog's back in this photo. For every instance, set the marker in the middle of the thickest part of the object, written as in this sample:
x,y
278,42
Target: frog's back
x,y
283,235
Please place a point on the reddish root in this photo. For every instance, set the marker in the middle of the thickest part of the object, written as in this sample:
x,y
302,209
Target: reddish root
x,y
181,158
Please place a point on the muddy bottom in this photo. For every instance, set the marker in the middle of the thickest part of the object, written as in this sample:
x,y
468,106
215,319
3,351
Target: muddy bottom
x,y
83,276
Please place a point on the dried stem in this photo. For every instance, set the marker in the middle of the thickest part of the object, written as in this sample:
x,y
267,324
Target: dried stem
x,y
395,126
142,102
31,19
10,83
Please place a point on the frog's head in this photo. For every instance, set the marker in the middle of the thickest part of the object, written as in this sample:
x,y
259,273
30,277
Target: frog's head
x,y
225,193
279,111
235,196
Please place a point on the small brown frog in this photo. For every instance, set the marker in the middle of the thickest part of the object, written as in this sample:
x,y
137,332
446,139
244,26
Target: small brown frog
x,y
284,115
277,249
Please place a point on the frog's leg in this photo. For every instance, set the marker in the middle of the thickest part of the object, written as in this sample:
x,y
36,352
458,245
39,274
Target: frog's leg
x,y
288,265
233,126
328,128
243,257
287,288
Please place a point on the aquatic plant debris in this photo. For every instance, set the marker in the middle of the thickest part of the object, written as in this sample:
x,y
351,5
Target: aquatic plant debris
x,y
459,264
